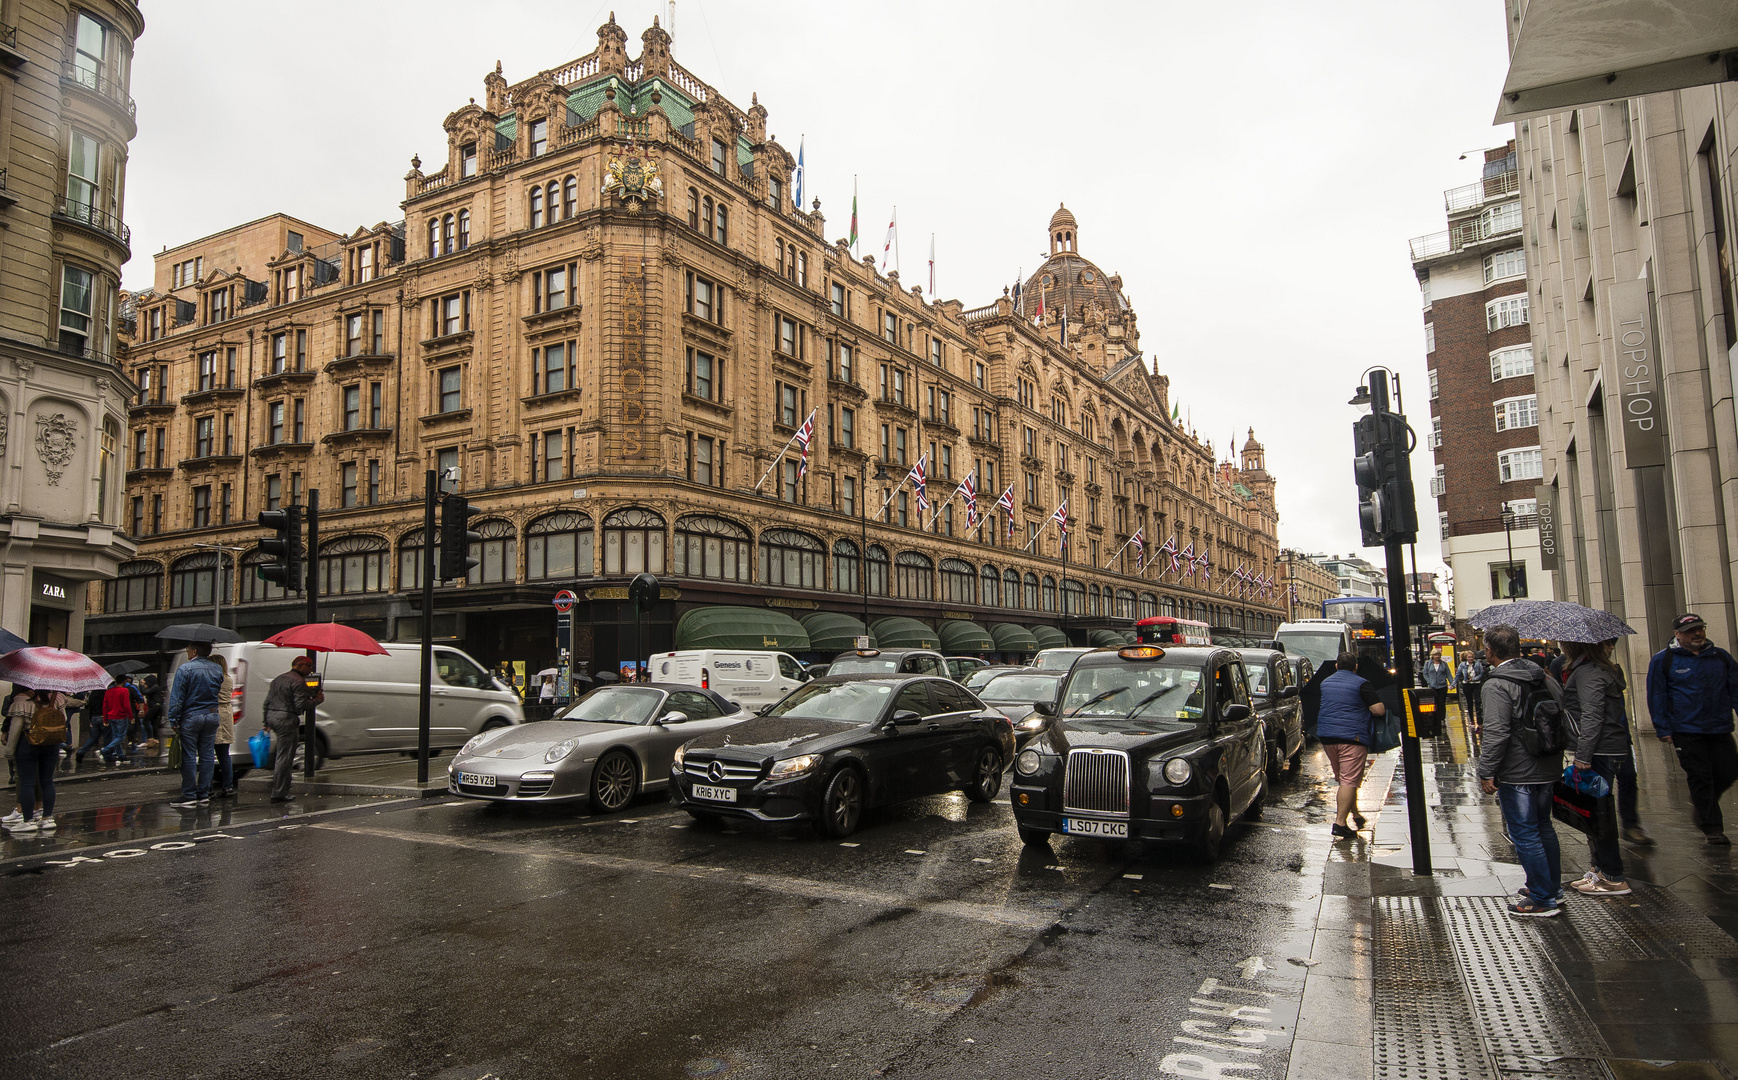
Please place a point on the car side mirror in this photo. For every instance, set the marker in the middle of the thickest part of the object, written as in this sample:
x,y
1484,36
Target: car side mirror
x,y
1234,712
1044,708
906,718
675,716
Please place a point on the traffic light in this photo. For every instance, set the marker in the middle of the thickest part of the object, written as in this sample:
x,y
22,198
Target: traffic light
x,y
285,547
456,538
1387,507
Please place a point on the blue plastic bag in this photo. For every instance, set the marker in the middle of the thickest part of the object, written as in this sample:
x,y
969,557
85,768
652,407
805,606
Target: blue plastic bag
x,y
261,748
1586,781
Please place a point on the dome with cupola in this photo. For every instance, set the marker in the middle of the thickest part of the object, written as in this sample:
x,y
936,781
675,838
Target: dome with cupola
x,y
1069,282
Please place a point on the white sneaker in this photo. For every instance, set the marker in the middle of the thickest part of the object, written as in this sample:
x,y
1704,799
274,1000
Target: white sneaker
x,y
12,819
27,826
48,823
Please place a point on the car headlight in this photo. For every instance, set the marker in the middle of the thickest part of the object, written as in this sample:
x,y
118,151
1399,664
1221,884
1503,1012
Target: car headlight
x,y
1178,771
1028,762
559,750
475,741
793,766
681,753
1034,722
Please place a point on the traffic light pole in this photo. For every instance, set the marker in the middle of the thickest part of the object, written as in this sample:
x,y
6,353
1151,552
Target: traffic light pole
x,y
312,590
429,540
1411,754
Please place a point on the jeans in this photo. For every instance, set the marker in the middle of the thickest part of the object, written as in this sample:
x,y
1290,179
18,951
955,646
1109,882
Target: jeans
x,y
1527,815
1469,700
94,736
198,742
36,771
225,769
1710,766
116,749
1605,855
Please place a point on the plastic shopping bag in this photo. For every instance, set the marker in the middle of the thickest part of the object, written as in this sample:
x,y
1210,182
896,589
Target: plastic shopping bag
x,y
175,750
261,748
1586,781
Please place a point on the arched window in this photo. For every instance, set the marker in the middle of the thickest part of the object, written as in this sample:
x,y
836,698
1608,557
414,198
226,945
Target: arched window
x,y
1073,598
254,587
990,588
712,547
958,582
1168,607
1032,592
1049,603
722,232
706,215
191,580
1149,606
569,198
847,567
1125,603
792,559
877,570
536,207
915,576
410,561
449,235
693,209
554,194
138,586
464,229
497,553
356,563
559,546
434,237
1011,588
633,542
1092,601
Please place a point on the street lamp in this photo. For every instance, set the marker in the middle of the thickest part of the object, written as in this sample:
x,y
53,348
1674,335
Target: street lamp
x,y
1509,538
863,518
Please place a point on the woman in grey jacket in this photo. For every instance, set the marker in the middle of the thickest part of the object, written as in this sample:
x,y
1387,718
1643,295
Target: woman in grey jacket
x,y
1593,693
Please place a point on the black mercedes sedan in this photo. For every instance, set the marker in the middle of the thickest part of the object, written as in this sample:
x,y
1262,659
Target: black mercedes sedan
x,y
842,744
1274,693
1149,743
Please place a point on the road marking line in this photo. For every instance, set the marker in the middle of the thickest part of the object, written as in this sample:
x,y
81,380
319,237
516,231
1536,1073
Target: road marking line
x,y
822,890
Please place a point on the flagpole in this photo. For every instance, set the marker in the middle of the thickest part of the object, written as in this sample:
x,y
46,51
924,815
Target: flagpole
x,y
779,458
1117,552
896,267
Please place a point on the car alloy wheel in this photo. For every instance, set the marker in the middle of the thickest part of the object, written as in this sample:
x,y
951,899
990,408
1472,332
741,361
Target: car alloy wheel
x,y
842,805
987,777
613,782
1212,836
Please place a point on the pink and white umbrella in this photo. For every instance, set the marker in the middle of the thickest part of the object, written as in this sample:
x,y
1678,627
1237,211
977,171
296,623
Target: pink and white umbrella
x,y
64,670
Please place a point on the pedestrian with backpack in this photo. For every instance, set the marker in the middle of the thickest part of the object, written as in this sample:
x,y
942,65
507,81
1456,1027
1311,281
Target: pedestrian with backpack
x,y
1520,762
1692,688
36,745
192,711
1593,692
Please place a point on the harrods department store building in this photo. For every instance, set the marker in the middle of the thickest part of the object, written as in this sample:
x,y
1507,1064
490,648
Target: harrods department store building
x,y
602,307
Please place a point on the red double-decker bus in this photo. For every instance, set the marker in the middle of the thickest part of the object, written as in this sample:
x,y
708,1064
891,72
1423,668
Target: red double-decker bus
x,y
1166,630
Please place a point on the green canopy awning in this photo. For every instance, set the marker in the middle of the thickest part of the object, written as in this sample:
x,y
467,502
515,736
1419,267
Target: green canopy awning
x,y
1012,637
1048,637
1129,637
959,636
898,632
833,631
740,628
1105,639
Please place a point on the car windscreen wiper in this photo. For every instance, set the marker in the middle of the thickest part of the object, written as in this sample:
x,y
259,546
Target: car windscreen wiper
x,y
1144,702
1112,692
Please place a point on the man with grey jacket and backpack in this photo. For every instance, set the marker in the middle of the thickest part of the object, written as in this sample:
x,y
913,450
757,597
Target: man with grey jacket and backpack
x,y
1520,767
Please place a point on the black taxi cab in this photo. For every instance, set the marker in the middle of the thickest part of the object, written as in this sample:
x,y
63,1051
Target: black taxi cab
x,y
1145,743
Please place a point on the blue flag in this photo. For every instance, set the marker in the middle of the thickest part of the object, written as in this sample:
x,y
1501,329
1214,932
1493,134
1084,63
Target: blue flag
x,y
797,188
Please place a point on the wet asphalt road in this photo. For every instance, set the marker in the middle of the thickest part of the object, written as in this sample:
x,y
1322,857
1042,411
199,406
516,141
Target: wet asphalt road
x,y
369,937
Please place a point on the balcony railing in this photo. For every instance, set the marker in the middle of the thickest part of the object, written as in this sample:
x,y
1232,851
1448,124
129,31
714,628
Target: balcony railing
x,y
1482,526
1470,196
98,83
1463,235
100,220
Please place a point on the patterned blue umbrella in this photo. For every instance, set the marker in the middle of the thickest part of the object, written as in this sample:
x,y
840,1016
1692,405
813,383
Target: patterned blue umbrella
x,y
1554,620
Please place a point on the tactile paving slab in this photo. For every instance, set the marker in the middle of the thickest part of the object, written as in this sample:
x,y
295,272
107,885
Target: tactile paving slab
x,y
1424,1023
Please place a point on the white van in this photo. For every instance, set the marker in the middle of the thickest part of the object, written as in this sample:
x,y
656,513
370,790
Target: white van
x,y
373,702
752,678
1321,640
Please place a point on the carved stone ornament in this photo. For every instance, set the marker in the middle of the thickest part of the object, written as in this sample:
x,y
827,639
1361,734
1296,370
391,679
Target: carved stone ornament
x,y
634,180
56,437
3,424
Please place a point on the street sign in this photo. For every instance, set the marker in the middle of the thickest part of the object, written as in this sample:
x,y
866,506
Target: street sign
x,y
862,641
564,600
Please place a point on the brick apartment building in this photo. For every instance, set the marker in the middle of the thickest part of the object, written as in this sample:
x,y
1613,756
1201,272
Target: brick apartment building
x,y
612,369
1484,416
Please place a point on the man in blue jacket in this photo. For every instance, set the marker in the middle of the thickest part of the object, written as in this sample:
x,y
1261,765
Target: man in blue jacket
x,y
192,709
1349,704
1692,687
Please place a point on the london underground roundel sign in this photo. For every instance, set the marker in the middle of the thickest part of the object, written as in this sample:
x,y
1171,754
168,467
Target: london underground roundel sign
x,y
564,600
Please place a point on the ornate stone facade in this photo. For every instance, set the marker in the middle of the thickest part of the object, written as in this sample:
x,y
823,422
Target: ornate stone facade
x,y
603,309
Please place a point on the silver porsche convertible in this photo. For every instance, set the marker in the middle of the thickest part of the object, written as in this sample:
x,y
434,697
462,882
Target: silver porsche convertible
x,y
613,743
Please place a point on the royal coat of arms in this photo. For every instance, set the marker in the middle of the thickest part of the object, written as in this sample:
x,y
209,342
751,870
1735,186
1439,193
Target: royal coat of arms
x,y
634,180
56,438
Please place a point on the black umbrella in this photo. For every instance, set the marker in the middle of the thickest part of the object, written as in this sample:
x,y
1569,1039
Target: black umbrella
x,y
10,642
198,631
126,667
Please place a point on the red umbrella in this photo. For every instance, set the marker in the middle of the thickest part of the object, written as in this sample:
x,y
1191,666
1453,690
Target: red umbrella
x,y
54,669
328,638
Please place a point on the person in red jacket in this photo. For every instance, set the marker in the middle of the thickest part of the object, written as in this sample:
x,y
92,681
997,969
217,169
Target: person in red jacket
x,y
120,709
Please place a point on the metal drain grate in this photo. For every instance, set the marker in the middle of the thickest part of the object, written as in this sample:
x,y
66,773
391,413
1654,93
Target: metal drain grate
x,y
1424,1024
1529,1067
1522,1003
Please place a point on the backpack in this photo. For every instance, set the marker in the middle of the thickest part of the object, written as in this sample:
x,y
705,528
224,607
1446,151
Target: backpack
x,y
1541,722
47,726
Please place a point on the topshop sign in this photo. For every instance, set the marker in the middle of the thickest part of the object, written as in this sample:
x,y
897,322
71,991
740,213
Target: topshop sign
x,y
1640,401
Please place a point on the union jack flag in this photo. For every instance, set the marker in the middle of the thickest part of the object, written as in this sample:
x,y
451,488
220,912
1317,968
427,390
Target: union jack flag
x,y
805,435
1206,564
1187,558
1169,550
968,490
1139,542
916,477
1295,597
1060,517
1006,502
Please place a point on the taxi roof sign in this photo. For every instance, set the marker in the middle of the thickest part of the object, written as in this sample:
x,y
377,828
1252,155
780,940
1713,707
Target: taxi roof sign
x,y
1140,652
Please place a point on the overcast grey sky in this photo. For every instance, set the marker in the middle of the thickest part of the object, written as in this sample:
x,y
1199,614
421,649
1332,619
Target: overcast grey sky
x,y
1253,171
